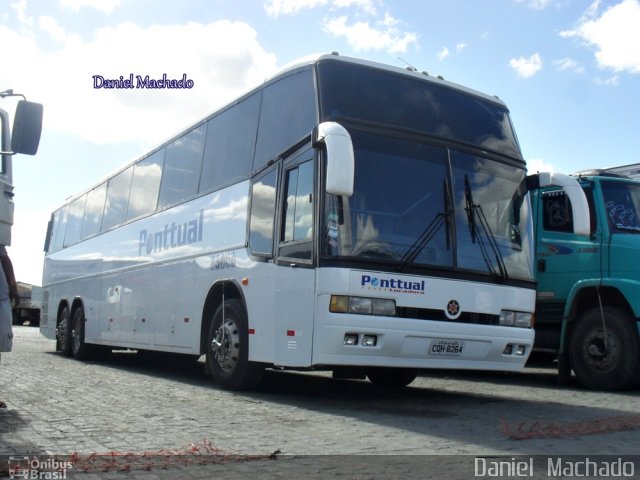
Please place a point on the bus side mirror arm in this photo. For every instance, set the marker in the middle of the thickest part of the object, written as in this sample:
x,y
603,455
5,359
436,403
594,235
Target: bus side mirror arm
x,y
573,190
340,157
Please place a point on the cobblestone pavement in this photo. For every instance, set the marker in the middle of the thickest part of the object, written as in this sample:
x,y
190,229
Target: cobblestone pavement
x,y
125,416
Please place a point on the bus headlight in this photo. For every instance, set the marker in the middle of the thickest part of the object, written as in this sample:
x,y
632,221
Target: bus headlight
x,y
362,305
510,318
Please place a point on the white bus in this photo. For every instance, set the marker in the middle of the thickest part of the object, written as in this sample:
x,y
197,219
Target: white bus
x,y
345,216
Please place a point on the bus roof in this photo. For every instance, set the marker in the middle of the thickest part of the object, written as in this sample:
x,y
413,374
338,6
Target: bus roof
x,y
313,59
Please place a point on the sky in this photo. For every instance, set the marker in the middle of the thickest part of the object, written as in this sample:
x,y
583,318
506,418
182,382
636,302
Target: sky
x,y
569,71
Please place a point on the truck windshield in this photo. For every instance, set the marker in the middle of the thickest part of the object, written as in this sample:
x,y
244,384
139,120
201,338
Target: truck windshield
x,y
417,205
622,204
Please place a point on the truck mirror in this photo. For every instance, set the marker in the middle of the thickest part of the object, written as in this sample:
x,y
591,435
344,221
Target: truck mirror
x,y
340,157
579,204
27,127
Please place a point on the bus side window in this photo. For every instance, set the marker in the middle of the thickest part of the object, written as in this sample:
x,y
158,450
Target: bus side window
x,y
145,185
93,211
115,208
298,212
182,168
263,209
229,147
74,220
59,227
556,212
288,114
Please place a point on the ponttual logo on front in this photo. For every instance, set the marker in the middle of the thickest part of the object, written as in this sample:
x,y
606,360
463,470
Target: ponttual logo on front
x,y
392,284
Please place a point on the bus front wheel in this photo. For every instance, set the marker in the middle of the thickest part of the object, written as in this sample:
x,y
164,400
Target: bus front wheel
x,y
604,354
228,348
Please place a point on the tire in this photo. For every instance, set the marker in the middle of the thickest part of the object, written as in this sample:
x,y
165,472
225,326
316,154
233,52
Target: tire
x,y
79,349
228,349
614,369
63,333
391,378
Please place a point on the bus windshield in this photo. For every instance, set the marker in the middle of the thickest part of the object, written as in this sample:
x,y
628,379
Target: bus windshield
x,y
412,103
417,205
622,204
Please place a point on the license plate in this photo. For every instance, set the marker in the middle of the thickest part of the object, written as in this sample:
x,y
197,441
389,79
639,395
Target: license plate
x,y
446,347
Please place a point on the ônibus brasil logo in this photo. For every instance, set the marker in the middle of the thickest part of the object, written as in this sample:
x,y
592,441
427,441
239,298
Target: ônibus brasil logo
x,y
396,285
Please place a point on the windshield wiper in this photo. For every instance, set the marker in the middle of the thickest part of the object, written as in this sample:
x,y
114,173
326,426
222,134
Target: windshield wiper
x,y
475,215
430,231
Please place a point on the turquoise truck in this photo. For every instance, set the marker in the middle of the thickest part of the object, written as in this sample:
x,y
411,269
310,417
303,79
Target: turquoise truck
x,y
588,297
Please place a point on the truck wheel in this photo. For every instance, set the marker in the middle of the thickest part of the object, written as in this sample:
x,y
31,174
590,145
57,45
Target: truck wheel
x,y
228,349
612,368
392,378
63,333
79,349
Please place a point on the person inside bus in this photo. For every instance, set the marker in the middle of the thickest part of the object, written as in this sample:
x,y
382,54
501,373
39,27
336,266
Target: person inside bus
x,y
8,293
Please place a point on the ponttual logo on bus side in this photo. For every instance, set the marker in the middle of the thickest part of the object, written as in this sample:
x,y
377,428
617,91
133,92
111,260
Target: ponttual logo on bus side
x,y
171,236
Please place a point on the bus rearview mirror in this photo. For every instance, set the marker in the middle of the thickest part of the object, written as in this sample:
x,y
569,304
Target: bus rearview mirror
x,y
340,158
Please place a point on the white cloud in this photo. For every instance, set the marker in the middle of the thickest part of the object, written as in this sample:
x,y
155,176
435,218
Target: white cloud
x,y
614,35
536,4
371,31
362,36
288,7
106,6
367,6
444,53
526,67
613,81
224,59
21,12
50,26
568,64
276,8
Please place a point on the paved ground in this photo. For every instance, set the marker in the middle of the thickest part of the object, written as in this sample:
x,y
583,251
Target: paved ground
x,y
129,417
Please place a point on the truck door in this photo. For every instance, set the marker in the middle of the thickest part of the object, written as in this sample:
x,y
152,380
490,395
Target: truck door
x,y
562,259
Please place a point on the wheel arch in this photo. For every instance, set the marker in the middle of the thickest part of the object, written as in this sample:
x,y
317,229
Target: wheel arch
x,y
227,289
77,302
64,303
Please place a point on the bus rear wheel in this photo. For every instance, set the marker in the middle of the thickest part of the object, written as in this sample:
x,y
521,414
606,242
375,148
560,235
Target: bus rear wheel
x,y
63,333
228,349
391,378
605,361
79,349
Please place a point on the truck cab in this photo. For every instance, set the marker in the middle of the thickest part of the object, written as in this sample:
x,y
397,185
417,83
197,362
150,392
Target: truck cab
x,y
588,295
